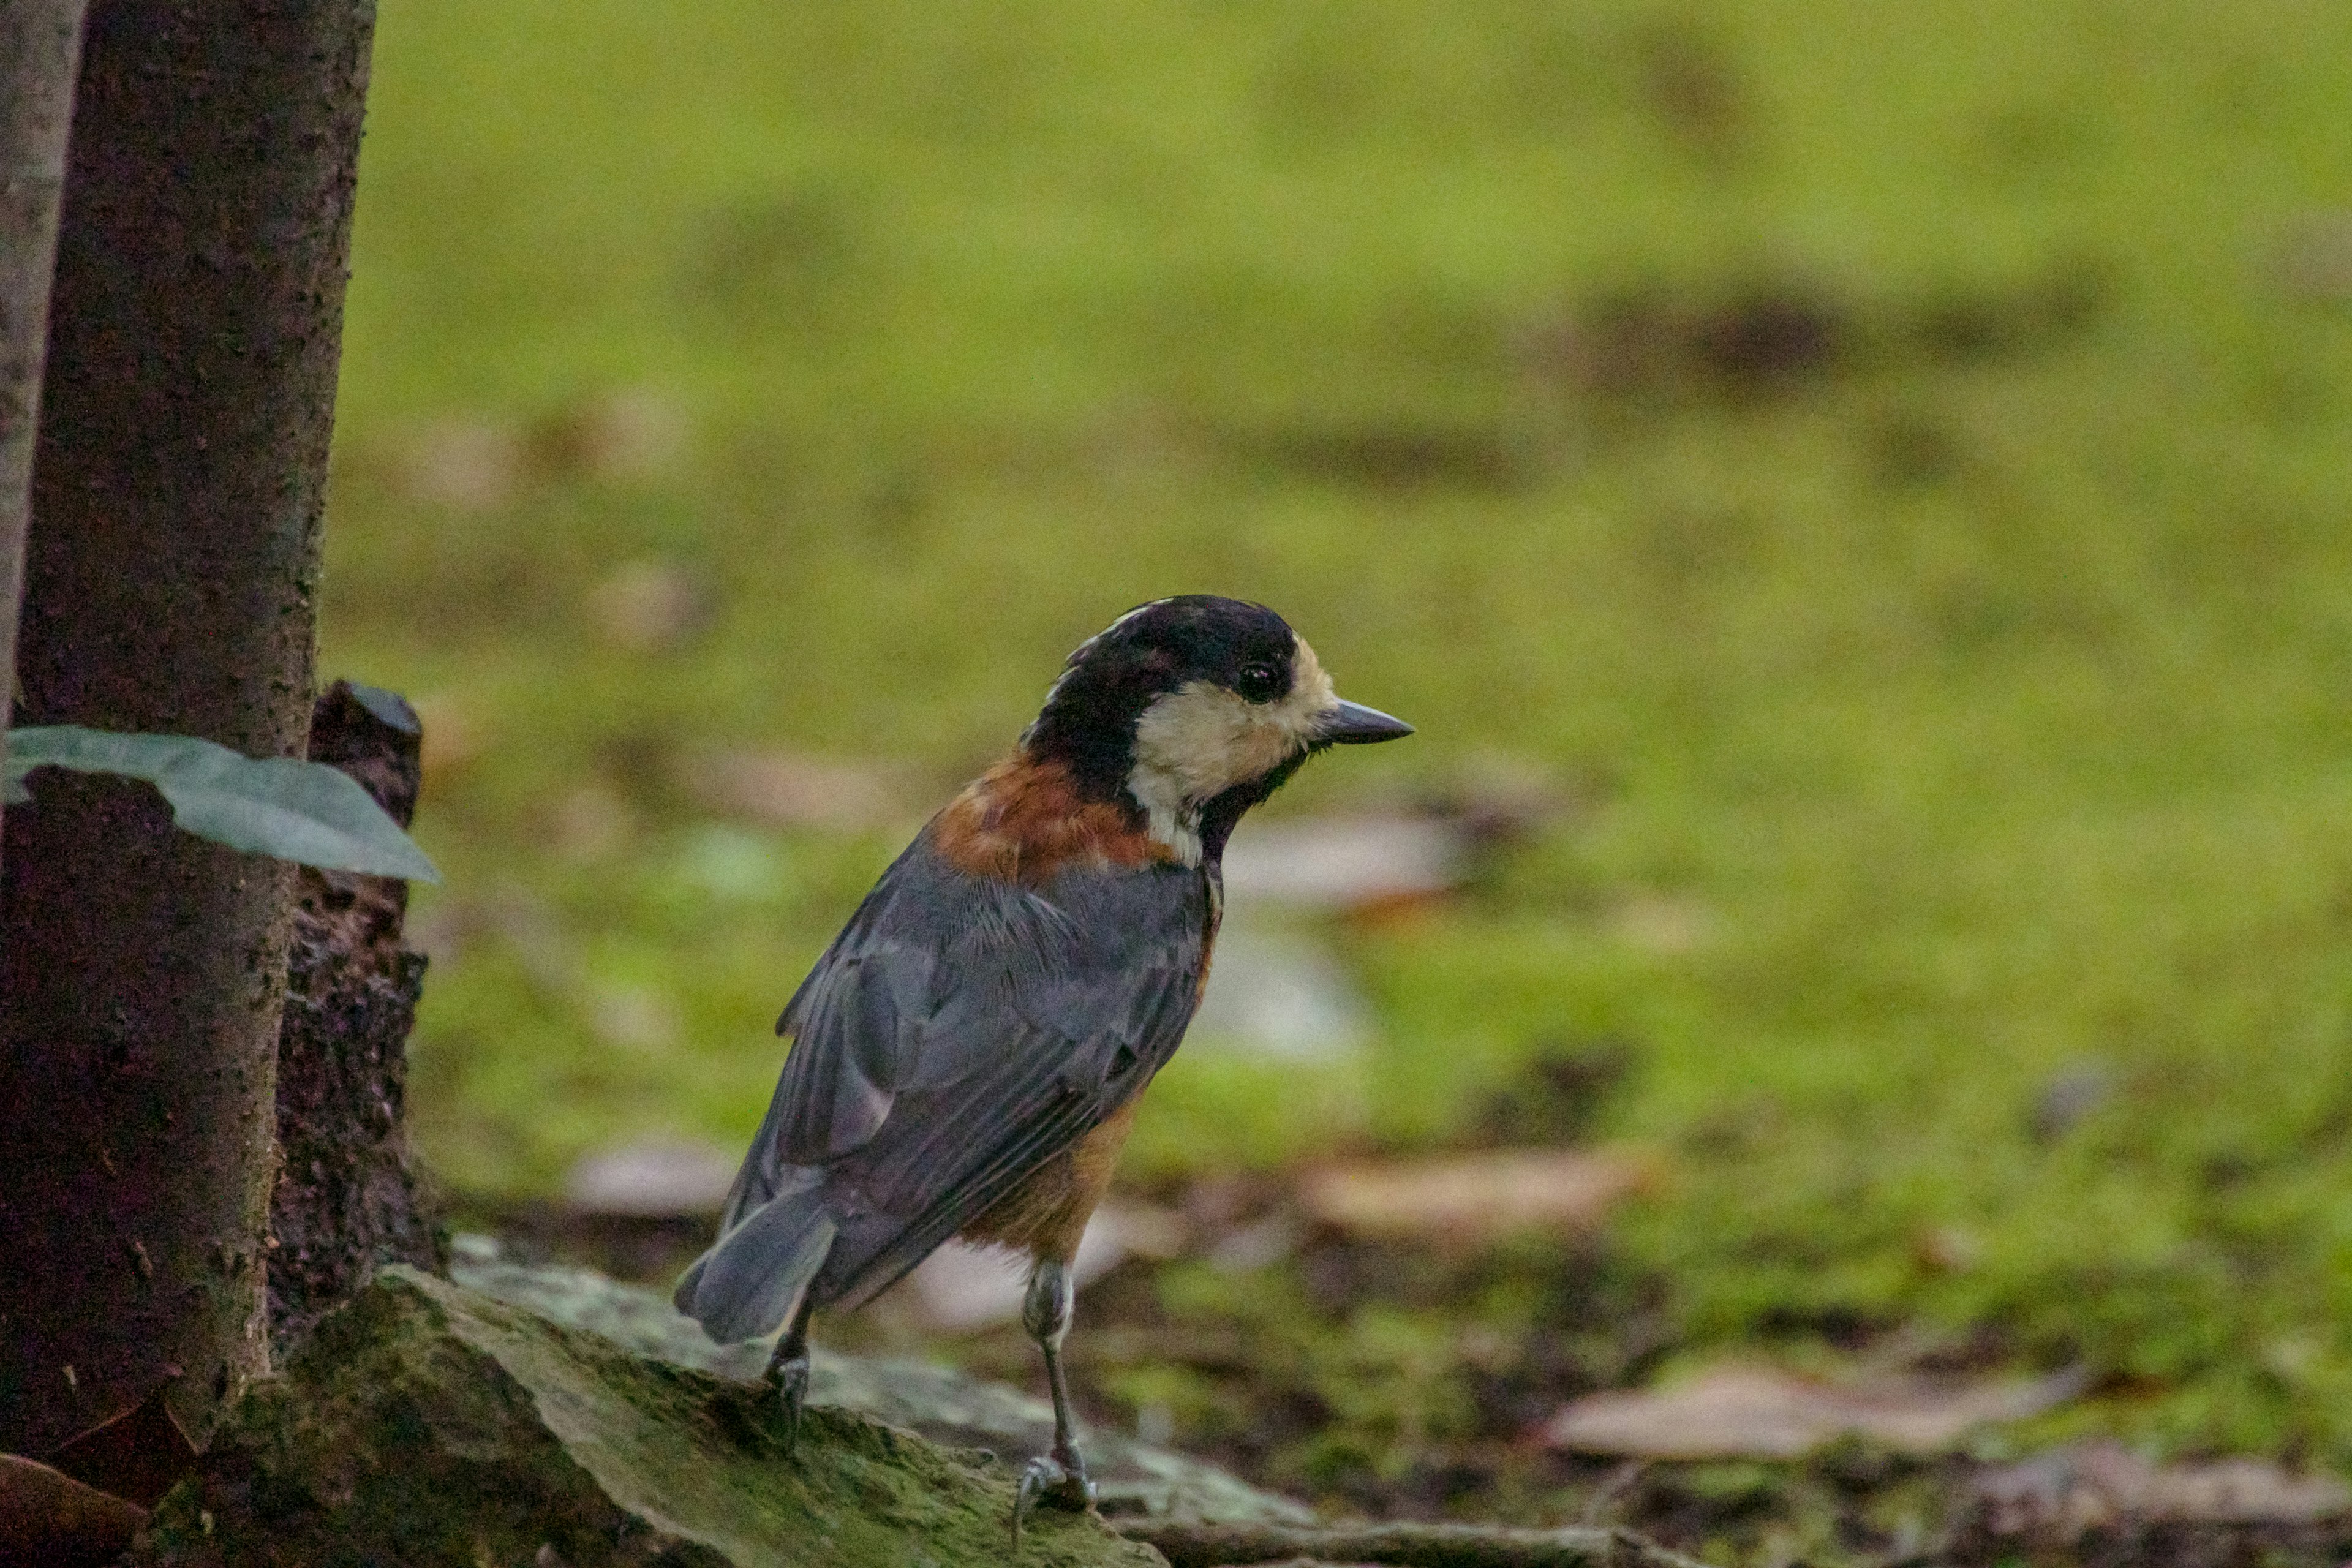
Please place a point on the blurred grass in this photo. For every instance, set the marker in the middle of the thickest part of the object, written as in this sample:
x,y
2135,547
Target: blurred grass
x,y
1976,718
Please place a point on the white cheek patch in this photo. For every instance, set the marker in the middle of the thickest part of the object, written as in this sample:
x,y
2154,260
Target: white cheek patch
x,y
1198,741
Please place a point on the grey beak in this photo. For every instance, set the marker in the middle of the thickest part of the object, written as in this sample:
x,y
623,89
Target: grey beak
x,y
1353,724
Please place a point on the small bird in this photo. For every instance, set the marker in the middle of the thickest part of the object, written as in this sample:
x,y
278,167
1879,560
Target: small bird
x,y
967,1055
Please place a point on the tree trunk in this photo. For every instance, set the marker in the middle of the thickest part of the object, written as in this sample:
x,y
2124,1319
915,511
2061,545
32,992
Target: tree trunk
x,y
347,1197
177,488
40,40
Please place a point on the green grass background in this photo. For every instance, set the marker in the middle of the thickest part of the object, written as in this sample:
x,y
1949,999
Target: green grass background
x,y
979,314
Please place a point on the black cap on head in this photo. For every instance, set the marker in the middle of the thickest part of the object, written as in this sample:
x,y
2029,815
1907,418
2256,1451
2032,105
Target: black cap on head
x,y
1090,717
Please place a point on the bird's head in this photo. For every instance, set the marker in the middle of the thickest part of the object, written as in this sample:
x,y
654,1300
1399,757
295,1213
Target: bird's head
x,y
1190,711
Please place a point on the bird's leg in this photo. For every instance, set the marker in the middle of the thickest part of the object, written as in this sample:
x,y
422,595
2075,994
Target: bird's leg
x,y
788,1373
1060,1480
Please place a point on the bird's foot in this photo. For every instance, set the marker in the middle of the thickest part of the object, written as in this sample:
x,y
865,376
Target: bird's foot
x,y
790,1378
1060,1481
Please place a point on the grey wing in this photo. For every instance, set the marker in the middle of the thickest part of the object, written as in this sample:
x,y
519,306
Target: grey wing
x,y
961,1032
830,1096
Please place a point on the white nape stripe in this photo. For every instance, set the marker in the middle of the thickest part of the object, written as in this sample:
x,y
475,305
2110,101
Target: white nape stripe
x,y
1077,655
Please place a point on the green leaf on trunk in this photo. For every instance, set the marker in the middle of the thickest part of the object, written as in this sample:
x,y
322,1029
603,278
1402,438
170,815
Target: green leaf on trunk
x,y
299,811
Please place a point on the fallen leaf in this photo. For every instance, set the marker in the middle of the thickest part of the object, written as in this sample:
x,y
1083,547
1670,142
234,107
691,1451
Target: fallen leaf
x,y
1280,995
533,934
2095,1485
517,919
719,860
48,1518
635,433
1474,1196
654,1179
1662,924
137,1455
650,606
782,789
1747,1411
1355,864
1145,1230
590,823
1948,1248
634,1017
466,465
963,1287
450,741
1260,1244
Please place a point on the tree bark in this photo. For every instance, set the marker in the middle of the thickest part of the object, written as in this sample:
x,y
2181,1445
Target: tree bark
x,y
41,43
347,1198
178,479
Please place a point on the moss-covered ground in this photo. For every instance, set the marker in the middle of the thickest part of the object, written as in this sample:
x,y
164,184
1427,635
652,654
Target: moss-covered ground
x,y
427,1424
1927,570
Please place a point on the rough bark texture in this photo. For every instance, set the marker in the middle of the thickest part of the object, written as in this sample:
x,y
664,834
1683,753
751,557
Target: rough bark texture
x,y
181,464
40,42
347,1199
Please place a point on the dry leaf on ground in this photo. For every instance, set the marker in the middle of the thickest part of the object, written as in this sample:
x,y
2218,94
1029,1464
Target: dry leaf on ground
x,y
634,1017
1346,863
633,433
1474,1196
1747,1411
49,1518
656,1178
466,465
782,789
1280,995
450,737
2097,1484
1664,924
138,1456
651,606
963,1287
591,822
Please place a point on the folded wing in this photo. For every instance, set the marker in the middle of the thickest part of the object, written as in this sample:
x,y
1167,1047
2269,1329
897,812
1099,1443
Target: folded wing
x,y
959,1033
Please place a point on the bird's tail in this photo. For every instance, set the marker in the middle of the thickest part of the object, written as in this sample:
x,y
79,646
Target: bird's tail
x,y
754,1276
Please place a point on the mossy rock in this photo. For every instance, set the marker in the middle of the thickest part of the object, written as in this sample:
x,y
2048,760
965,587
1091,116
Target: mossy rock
x,y
1138,1479
427,1424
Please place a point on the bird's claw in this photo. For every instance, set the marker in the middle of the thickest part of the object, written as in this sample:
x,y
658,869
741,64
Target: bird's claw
x,y
1061,1481
791,1378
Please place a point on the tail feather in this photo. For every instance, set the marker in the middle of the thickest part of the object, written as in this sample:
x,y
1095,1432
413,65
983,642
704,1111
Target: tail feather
x,y
753,1278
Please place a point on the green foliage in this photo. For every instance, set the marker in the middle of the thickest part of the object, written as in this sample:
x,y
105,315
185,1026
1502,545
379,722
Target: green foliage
x,y
305,811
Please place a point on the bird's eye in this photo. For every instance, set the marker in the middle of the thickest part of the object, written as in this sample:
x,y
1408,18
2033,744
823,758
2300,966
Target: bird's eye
x,y
1259,682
